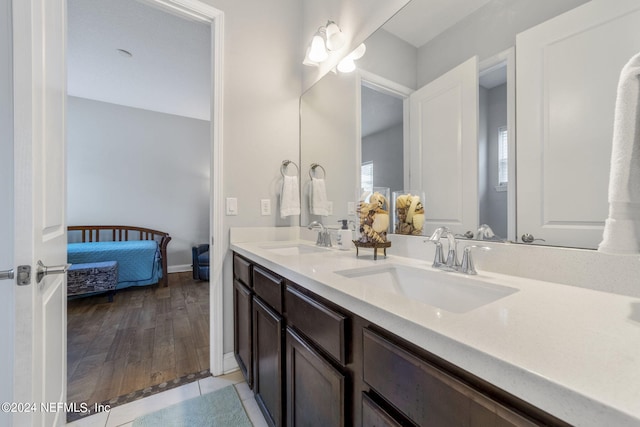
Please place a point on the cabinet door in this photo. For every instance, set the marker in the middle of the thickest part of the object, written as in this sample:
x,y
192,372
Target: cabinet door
x,y
315,389
267,359
567,76
242,300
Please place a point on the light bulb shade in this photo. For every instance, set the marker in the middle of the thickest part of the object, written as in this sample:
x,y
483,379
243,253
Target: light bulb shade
x,y
308,61
335,37
358,52
346,65
317,52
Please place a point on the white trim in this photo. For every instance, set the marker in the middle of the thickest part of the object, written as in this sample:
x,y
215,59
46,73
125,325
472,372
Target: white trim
x,y
197,9
230,363
179,268
216,185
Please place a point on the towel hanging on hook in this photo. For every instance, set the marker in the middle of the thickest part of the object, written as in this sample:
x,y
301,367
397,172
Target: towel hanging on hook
x,y
290,194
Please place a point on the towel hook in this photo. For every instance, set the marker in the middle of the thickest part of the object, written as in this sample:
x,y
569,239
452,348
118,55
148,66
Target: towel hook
x,y
285,164
312,170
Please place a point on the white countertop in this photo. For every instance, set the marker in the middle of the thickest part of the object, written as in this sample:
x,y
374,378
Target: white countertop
x,y
572,352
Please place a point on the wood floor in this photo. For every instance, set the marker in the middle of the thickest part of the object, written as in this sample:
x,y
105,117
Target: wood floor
x,y
147,336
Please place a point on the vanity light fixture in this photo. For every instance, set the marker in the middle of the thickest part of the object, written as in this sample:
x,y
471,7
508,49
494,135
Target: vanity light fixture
x,y
327,38
335,36
347,64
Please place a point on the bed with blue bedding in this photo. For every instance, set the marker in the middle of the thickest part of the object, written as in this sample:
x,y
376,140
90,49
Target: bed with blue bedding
x,y
139,252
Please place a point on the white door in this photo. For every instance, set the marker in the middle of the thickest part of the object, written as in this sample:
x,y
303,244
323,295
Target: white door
x,y
40,231
567,74
444,148
6,211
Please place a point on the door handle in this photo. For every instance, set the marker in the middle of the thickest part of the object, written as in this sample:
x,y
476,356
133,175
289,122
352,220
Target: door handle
x,y
43,270
6,274
528,238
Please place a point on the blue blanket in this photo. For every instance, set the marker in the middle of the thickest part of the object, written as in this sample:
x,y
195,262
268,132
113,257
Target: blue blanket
x,y
138,260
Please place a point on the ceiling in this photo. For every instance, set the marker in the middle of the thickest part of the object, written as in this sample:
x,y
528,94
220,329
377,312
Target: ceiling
x,y
169,71
422,20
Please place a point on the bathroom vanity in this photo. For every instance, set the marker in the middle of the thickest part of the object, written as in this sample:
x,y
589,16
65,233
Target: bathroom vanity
x,y
325,338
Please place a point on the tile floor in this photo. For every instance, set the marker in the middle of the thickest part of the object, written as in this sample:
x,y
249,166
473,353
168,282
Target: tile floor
x,y
124,415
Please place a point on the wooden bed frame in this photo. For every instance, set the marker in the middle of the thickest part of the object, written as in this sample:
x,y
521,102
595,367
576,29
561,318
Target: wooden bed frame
x,y
120,233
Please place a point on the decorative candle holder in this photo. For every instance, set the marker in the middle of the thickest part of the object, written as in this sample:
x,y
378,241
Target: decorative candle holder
x,y
408,212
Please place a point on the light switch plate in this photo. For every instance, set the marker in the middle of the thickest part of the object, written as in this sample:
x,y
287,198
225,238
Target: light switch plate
x,y
232,206
265,207
330,207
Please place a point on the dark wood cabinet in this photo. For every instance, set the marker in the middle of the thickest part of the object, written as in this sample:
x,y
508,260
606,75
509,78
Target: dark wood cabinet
x,y
268,361
314,363
373,415
426,394
242,331
315,388
320,324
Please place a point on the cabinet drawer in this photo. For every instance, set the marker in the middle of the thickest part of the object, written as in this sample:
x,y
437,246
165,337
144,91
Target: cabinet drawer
x,y
322,325
426,394
268,287
242,270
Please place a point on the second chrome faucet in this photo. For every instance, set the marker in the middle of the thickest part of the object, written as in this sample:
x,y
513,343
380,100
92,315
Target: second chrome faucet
x,y
452,263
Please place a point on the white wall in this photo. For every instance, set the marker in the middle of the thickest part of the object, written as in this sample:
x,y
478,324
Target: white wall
x,y
385,150
390,57
358,19
6,206
128,166
490,30
262,82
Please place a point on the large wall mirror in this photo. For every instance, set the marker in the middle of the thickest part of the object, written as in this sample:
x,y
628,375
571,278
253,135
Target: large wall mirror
x,y
434,106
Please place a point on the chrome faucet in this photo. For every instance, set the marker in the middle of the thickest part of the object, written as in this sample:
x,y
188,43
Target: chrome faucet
x,y
467,266
452,264
452,254
485,233
324,238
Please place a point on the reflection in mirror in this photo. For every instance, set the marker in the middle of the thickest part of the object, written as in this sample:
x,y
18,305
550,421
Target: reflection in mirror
x,y
327,129
493,153
382,140
425,40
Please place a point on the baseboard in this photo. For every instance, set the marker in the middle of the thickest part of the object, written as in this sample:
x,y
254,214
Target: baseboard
x,y
179,268
229,363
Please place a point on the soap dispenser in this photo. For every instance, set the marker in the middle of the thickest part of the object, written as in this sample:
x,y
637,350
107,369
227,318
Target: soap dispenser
x,y
344,236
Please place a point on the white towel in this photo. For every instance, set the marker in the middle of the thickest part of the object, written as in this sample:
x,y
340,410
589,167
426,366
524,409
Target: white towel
x,y
318,203
290,197
622,228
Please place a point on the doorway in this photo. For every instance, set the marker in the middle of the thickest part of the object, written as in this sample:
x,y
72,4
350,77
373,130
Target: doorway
x,y
496,144
123,131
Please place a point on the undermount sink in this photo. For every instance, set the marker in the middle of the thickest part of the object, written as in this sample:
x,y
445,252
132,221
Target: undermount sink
x,y
293,249
452,292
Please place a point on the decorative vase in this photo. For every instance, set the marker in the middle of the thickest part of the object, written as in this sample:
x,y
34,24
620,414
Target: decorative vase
x,y
408,212
373,216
